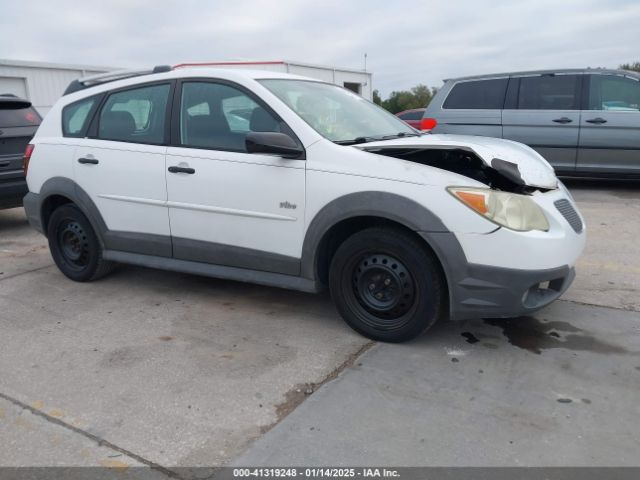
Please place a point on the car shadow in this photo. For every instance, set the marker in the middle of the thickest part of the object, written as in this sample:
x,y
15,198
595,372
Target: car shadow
x,y
13,219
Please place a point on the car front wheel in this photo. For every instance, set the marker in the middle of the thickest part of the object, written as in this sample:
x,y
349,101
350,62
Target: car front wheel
x,y
386,284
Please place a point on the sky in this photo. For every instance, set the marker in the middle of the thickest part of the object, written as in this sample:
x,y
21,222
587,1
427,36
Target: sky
x,y
407,42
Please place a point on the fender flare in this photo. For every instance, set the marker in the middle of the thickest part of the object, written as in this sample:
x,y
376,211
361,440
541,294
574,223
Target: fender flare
x,y
385,205
66,187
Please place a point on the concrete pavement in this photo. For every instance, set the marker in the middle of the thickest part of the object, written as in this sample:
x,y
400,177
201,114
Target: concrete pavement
x,y
175,370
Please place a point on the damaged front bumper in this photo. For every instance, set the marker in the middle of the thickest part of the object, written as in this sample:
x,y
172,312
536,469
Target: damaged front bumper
x,y
483,291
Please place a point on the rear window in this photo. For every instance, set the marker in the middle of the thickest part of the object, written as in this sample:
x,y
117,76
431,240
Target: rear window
x,y
548,92
477,94
22,117
75,116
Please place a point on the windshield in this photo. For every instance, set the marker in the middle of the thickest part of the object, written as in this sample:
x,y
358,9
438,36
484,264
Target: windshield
x,y
336,113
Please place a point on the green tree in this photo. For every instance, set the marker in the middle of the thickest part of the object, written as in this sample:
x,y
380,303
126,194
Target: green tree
x,y
418,97
635,66
377,99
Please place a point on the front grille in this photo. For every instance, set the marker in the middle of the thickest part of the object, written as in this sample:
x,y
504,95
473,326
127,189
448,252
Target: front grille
x,y
569,213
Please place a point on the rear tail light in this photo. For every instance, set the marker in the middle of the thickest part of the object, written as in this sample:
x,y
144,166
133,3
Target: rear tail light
x,y
27,157
428,123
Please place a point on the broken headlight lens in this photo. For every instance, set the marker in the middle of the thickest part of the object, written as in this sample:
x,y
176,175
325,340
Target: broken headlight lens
x,y
517,212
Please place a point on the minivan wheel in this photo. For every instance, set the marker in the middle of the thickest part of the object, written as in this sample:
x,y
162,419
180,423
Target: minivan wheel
x,y
386,285
74,245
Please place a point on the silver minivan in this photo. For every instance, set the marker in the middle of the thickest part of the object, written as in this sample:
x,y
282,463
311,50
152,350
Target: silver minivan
x,y
584,122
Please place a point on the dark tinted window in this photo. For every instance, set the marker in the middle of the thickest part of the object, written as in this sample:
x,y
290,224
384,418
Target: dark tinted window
x,y
21,117
477,94
548,92
218,116
136,115
615,93
75,116
415,115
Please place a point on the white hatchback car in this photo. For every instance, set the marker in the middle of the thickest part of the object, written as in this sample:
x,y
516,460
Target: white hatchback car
x,y
287,181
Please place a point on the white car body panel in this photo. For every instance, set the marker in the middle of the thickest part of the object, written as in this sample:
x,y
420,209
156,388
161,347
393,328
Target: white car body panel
x,y
126,203
334,170
234,199
534,169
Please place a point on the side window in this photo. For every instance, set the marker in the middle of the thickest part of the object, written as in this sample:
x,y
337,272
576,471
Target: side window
x,y
218,116
477,94
611,92
136,115
75,116
549,92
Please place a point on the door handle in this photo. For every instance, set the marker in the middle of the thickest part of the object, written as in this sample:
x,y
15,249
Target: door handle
x,y
562,120
597,120
90,161
4,164
175,169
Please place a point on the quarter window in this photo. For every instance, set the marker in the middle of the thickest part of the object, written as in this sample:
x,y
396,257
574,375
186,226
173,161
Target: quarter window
x,y
477,94
136,115
611,92
548,92
218,116
75,116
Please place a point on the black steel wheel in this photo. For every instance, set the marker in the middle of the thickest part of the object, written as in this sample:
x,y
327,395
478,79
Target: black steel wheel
x,y
74,245
386,284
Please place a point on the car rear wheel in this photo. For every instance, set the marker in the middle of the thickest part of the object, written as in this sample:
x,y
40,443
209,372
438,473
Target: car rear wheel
x,y
74,245
386,284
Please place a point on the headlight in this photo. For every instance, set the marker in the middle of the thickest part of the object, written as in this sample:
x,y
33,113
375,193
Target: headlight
x,y
517,212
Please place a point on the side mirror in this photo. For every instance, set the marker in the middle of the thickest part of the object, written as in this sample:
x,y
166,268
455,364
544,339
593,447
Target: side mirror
x,y
273,143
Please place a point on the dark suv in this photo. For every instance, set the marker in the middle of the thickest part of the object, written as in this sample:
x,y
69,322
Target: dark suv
x,y
18,123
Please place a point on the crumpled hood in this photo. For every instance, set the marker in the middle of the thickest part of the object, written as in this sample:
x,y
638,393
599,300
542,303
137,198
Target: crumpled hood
x,y
514,160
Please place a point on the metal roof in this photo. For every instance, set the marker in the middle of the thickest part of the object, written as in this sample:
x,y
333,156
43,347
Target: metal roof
x,y
60,66
257,63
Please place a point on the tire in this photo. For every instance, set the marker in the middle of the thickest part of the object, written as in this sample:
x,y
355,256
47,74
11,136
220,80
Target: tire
x,y
74,245
386,285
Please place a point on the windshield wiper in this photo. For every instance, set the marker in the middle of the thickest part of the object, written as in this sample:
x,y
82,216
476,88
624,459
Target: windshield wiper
x,y
356,141
400,135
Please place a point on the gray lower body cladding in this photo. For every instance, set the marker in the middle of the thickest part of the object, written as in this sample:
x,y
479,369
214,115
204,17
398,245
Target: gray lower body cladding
x,y
475,291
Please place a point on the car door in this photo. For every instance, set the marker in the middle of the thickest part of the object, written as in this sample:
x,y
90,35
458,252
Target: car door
x,y
543,111
610,125
121,166
226,206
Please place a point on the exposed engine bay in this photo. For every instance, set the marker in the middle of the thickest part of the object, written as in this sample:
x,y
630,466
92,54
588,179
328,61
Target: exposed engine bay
x,y
501,175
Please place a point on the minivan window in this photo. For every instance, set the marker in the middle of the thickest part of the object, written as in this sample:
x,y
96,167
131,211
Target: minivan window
x,y
75,115
219,116
612,92
136,115
548,92
477,95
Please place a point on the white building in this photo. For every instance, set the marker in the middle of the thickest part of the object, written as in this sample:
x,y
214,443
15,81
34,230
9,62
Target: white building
x,y
39,82
43,83
358,81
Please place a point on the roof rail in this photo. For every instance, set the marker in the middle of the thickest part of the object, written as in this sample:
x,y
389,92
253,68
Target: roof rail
x,y
100,78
